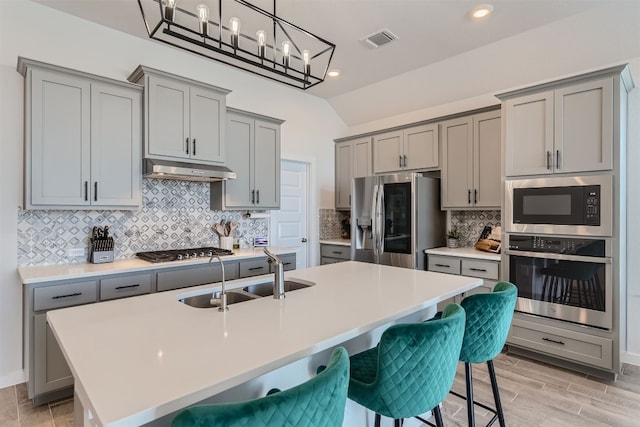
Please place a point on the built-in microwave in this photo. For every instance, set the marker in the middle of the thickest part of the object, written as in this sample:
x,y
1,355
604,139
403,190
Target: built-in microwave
x,y
578,205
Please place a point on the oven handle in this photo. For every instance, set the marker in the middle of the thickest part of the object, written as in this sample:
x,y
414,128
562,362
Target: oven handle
x,y
547,255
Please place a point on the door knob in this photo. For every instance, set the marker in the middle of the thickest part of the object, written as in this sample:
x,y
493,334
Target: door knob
x,y
304,240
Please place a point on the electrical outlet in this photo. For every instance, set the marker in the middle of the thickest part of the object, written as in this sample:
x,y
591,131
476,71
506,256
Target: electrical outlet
x,y
76,252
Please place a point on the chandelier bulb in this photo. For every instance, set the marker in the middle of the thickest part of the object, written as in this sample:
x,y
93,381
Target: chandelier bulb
x,y
306,59
203,18
286,52
234,27
169,8
261,37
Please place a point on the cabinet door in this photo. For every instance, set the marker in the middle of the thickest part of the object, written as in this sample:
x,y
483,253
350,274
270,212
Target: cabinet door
x,y
266,154
51,370
240,130
58,161
584,127
487,159
115,146
344,162
529,134
457,159
205,109
421,147
387,152
361,159
168,119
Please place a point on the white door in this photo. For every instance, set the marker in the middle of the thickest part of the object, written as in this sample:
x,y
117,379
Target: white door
x,y
290,223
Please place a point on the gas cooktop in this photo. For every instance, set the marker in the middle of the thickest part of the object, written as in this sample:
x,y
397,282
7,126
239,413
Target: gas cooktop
x,y
180,254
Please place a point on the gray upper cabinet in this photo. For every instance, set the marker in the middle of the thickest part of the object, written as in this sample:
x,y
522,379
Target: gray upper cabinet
x,y
184,118
253,153
82,138
352,160
564,130
471,161
414,148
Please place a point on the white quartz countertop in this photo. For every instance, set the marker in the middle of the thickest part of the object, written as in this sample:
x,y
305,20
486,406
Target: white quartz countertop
x,y
340,242
49,273
464,252
137,359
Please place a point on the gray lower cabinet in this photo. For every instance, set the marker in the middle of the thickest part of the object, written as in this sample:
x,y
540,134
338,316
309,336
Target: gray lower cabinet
x,y
82,140
485,269
184,277
253,153
331,254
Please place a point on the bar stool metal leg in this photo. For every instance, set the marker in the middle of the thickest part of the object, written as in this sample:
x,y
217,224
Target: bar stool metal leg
x,y
437,414
469,385
496,393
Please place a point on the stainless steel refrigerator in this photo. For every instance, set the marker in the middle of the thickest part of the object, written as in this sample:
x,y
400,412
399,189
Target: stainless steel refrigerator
x,y
394,218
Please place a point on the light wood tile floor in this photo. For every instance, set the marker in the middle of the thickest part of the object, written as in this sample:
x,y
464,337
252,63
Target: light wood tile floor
x,y
533,394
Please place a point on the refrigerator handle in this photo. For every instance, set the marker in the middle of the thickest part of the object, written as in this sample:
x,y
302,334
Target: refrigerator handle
x,y
381,224
374,222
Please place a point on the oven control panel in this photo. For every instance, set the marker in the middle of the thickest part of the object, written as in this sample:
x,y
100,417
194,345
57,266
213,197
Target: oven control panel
x,y
557,245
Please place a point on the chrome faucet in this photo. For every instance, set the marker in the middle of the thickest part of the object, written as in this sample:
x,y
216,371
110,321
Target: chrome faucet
x,y
278,279
222,301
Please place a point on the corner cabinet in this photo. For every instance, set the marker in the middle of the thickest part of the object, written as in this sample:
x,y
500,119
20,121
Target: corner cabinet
x,y
253,153
564,130
352,160
414,148
82,139
471,161
184,119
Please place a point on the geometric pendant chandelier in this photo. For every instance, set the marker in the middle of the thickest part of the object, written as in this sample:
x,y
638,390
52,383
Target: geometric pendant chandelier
x,y
240,34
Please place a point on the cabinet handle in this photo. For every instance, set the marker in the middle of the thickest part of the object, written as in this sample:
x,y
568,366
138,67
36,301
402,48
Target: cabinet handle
x,y
549,160
257,197
286,263
400,161
349,199
558,159
475,197
404,157
95,191
194,146
256,268
253,197
76,294
86,191
337,252
469,196
553,341
127,286
478,269
187,144
443,265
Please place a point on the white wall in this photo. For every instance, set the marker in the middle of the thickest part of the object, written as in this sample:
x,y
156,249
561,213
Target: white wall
x,y
34,31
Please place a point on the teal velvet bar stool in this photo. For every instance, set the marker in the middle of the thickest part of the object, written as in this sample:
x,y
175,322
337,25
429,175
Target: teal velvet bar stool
x,y
489,317
411,370
319,402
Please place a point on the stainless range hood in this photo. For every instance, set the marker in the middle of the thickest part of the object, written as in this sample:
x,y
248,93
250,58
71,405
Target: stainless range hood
x,y
163,169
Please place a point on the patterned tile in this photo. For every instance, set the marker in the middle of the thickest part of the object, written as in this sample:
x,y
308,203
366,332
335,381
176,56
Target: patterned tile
x,y
471,223
331,223
174,214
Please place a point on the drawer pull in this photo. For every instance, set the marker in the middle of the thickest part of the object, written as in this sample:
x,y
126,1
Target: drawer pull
x,y
478,269
337,252
553,341
256,268
127,286
286,263
443,265
75,294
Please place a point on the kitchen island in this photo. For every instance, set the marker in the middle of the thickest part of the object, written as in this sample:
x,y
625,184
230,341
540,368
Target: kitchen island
x,y
139,359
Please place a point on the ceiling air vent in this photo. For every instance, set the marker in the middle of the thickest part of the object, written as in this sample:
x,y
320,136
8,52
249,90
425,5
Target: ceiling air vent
x,y
379,38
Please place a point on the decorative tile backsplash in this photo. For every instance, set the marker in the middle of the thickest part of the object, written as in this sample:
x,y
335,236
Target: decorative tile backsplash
x,y
174,215
471,223
330,221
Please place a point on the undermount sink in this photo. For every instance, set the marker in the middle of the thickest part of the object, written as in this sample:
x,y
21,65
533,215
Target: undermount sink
x,y
265,289
204,300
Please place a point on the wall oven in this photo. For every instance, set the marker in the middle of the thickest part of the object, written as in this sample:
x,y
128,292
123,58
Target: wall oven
x,y
579,205
565,278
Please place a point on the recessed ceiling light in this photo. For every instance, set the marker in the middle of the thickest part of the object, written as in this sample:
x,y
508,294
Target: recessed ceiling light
x,y
334,72
482,11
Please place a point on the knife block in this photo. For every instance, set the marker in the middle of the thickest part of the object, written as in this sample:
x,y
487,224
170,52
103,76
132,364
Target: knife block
x,y
101,250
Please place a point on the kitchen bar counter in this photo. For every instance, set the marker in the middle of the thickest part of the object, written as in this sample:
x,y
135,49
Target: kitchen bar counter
x,y
468,252
55,272
138,359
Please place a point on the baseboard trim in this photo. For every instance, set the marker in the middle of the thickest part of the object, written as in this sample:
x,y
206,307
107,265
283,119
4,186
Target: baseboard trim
x,y
630,358
13,378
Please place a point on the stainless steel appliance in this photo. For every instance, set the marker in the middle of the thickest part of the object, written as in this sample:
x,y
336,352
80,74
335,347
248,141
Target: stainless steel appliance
x,y
565,278
180,254
580,205
394,218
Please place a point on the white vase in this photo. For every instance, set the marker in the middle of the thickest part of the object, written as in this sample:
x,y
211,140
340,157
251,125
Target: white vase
x,y
226,242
